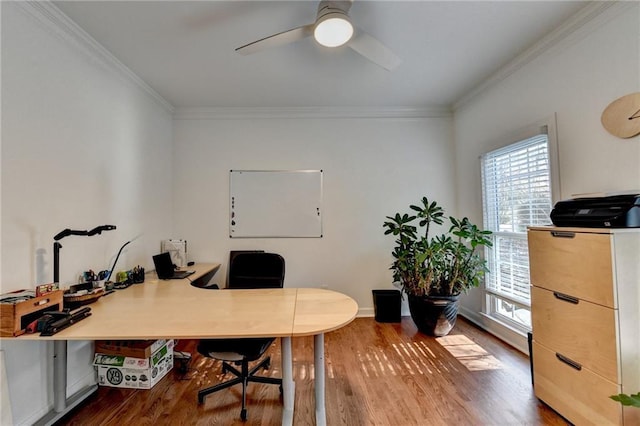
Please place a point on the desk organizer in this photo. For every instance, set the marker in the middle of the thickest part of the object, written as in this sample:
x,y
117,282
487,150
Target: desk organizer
x,y
15,317
73,300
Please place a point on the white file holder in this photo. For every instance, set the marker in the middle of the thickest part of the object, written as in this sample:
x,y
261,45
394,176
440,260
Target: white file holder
x,y
177,249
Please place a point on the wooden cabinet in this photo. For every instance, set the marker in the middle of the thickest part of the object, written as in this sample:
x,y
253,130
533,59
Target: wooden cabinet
x,y
585,308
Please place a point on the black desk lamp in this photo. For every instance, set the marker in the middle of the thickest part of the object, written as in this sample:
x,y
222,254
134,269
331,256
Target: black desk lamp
x,y
57,246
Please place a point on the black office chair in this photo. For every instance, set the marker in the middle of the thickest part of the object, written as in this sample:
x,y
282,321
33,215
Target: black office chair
x,y
247,270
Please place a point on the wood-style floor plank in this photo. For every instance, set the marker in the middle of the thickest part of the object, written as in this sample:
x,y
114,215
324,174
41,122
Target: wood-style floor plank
x,y
376,374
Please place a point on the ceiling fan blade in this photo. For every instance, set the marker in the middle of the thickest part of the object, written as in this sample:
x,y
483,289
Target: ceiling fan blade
x,y
374,51
276,40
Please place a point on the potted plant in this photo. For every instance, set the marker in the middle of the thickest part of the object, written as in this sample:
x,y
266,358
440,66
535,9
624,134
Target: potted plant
x,y
631,400
434,271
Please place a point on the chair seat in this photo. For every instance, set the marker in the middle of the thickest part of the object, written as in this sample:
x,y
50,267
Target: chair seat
x,y
227,356
248,349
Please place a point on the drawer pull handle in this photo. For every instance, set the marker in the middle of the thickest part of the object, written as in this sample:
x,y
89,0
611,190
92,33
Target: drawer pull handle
x,y
566,298
571,363
563,234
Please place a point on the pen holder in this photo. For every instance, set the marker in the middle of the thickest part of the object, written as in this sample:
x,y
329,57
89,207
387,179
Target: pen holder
x,y
136,275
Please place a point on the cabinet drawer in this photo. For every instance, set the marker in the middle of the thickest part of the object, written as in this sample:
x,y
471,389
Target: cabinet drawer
x,y
582,397
577,264
582,331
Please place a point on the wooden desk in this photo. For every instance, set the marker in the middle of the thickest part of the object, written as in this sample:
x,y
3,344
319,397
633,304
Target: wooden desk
x,y
175,309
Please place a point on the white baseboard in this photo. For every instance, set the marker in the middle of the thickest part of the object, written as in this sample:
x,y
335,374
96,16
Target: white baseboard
x,y
365,313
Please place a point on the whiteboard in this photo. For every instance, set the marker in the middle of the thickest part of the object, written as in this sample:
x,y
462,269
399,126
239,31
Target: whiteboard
x,y
275,203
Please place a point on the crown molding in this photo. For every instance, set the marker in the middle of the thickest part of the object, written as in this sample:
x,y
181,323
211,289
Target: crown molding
x,y
592,14
224,113
62,26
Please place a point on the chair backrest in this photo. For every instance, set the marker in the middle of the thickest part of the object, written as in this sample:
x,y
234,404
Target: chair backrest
x,y
232,256
256,270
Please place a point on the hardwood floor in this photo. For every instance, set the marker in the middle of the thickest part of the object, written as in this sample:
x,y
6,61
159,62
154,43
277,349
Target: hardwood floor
x,y
377,374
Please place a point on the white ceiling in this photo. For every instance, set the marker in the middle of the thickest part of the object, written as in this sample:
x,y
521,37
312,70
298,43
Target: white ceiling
x,y
185,50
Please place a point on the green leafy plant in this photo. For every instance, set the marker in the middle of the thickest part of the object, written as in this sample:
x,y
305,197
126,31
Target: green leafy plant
x,y
632,400
444,265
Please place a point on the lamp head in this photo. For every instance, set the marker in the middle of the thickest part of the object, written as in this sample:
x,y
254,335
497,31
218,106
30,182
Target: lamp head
x,y
98,229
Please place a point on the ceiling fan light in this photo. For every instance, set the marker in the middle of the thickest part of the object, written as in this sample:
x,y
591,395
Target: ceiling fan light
x,y
333,29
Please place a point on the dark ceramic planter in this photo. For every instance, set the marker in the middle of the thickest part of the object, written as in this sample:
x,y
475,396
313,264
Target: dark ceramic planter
x,y
434,315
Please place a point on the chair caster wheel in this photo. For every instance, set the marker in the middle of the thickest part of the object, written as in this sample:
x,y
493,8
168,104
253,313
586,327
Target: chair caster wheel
x,y
266,365
201,399
243,415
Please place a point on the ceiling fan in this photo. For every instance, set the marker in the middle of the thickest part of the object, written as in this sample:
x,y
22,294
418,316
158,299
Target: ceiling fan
x,y
332,28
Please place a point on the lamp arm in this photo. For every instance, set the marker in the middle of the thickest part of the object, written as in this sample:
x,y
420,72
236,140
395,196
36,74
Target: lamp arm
x,y
65,233
97,230
116,261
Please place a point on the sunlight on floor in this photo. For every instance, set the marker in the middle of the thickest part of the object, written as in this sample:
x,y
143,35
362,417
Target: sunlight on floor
x,y
413,358
375,363
469,353
416,358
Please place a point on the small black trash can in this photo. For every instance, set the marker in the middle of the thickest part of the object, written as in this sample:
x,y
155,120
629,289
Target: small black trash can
x,y
386,305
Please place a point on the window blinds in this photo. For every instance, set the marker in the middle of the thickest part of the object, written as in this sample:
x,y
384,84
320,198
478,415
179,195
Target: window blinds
x,y
516,194
516,183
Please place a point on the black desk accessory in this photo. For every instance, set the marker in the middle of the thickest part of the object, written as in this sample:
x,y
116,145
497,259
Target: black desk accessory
x,y
54,321
165,268
65,233
121,285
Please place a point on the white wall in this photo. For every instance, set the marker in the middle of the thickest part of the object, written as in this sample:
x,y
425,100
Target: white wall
x,y
576,79
373,167
82,146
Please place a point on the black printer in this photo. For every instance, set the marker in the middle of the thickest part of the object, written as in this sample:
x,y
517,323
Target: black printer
x,y
614,211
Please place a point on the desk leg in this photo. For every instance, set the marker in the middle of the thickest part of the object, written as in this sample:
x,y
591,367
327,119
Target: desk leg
x,y
288,385
61,404
318,348
59,375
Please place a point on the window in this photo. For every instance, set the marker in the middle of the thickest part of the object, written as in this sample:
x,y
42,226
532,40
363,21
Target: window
x,y
517,192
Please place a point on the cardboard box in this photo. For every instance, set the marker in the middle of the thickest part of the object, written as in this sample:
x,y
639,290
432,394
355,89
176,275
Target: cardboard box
x,y
136,373
16,315
129,348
